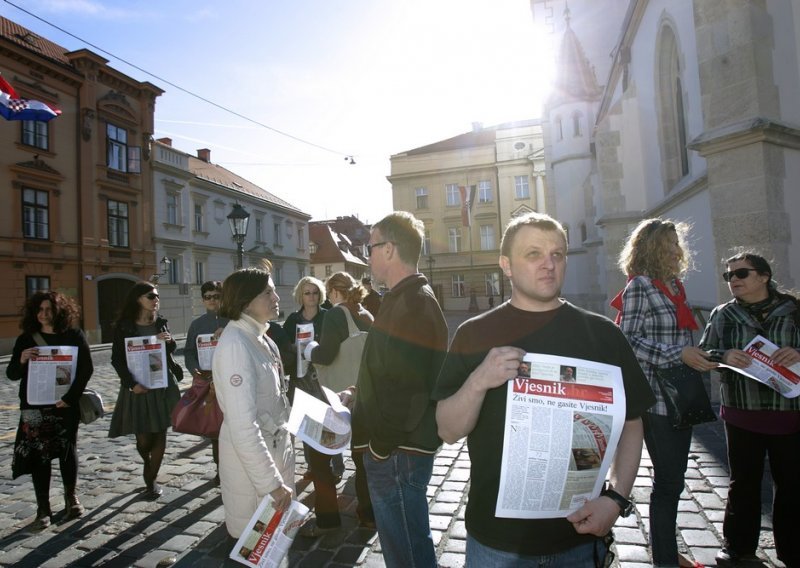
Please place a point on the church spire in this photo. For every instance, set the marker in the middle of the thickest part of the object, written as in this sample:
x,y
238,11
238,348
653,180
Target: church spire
x,y
575,77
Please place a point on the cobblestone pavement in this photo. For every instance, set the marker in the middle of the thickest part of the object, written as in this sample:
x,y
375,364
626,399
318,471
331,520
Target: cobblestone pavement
x,y
119,528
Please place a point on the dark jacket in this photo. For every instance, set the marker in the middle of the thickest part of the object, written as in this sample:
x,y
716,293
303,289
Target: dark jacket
x,y
288,353
402,357
19,372
335,331
119,361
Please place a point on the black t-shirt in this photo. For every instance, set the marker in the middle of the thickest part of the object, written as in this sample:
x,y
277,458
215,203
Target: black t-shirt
x,y
567,331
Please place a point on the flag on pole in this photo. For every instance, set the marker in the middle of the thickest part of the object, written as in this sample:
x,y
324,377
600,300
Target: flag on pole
x,y
12,107
467,197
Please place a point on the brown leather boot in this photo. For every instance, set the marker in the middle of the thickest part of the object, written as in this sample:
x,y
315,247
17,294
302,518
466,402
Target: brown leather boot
x,y
42,521
74,509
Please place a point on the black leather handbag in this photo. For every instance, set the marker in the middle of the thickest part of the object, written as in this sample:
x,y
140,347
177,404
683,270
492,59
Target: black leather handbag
x,y
685,396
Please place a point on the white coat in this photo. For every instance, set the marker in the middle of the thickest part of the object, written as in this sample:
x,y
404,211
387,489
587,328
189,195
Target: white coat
x,y
255,451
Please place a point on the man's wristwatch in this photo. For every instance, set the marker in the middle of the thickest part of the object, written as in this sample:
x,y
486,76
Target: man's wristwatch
x,y
625,505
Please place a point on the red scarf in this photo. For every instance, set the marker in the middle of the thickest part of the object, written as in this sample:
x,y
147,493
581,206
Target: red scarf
x,y
685,317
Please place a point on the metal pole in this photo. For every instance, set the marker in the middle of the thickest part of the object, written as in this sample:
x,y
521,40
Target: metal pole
x,y
239,253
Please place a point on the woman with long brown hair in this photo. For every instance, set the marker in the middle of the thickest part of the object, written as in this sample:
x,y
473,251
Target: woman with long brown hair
x,y
47,432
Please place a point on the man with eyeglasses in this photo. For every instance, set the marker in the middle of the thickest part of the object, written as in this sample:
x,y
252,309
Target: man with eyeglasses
x,y
394,418
209,323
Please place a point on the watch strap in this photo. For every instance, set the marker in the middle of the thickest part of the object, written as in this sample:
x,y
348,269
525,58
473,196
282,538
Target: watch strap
x,y
625,505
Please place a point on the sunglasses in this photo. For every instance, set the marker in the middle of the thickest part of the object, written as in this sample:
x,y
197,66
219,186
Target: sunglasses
x,y
375,245
151,296
740,273
211,296
311,293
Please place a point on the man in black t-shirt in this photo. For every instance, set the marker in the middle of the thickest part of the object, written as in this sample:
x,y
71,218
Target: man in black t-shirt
x,y
485,353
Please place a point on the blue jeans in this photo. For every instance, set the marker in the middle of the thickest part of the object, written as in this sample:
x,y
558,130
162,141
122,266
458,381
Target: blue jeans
x,y
669,452
398,490
590,555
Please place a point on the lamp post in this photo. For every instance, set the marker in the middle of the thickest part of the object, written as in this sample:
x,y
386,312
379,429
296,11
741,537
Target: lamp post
x,y
238,219
431,261
165,263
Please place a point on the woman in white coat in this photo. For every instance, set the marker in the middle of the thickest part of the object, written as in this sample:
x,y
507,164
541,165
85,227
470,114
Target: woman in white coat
x,y
256,457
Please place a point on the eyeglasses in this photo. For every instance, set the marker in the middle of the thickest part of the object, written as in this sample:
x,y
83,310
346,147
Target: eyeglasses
x,y
152,296
374,245
740,273
211,296
311,293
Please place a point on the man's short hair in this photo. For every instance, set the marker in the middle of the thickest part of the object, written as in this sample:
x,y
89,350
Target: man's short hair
x,y
406,232
366,280
211,286
533,219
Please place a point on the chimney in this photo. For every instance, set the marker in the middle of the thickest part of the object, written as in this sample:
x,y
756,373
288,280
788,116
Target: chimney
x,y
165,141
204,154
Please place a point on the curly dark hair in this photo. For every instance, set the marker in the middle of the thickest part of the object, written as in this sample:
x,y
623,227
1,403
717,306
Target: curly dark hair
x,y
66,313
130,309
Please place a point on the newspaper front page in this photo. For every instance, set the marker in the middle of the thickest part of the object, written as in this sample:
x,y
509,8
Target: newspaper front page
x,y
268,536
147,360
324,427
305,335
206,343
564,418
51,373
784,380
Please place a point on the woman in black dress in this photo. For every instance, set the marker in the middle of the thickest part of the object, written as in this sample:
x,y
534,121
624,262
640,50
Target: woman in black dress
x,y
139,410
47,432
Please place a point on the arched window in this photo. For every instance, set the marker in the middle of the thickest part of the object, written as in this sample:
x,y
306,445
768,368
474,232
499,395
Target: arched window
x,y
671,111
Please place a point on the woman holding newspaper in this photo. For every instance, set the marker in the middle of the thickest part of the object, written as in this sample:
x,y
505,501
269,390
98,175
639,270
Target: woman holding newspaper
x,y
658,323
345,293
141,354
48,429
256,457
758,420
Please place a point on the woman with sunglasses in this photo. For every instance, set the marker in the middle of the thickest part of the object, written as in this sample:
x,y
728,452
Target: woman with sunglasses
x,y
309,293
209,323
139,410
758,420
658,322
50,431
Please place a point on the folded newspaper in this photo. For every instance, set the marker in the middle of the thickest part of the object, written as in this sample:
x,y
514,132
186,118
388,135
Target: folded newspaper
x,y
784,380
146,357
564,418
324,427
50,373
269,534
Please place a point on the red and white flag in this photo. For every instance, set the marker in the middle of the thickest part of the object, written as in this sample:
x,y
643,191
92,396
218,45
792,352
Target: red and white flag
x,y
12,107
467,197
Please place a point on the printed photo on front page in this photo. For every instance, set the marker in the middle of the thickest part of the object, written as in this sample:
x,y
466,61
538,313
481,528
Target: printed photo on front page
x,y
305,335
206,343
564,418
269,534
51,372
324,427
147,360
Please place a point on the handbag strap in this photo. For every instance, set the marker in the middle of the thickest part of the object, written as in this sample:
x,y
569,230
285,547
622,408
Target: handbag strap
x,y
352,328
37,337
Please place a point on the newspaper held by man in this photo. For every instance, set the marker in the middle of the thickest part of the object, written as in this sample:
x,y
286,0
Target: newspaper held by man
x,y
784,380
305,335
564,418
50,373
269,534
147,360
206,343
324,427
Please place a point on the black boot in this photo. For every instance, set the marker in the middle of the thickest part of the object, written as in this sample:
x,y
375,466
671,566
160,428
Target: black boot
x,y
43,513
74,509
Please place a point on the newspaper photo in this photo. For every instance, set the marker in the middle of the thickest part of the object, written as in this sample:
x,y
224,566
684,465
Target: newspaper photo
x,y
305,335
51,372
206,343
268,536
564,418
784,380
324,427
147,360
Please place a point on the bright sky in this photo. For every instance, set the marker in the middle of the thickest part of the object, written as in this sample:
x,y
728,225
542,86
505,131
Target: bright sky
x,y
367,78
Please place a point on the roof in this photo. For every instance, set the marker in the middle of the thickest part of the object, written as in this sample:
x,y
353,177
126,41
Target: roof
x,y
575,77
328,246
217,174
23,37
483,136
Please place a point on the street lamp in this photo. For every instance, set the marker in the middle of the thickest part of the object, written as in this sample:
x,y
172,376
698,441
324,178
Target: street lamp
x,y
165,263
431,262
238,219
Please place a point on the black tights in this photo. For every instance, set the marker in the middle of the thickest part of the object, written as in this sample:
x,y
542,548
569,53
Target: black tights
x,y
68,464
151,447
